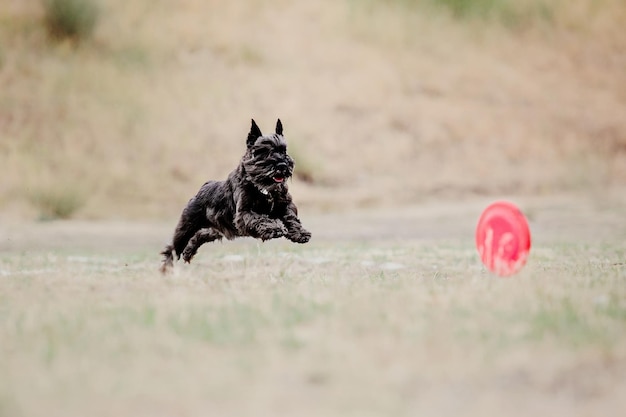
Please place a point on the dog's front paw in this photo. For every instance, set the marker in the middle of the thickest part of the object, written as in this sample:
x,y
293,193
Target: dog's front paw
x,y
273,230
299,236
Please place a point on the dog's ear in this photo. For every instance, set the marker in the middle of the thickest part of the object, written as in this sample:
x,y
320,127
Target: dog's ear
x,y
254,134
279,127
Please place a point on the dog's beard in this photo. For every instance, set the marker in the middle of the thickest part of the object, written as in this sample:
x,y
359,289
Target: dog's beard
x,y
268,174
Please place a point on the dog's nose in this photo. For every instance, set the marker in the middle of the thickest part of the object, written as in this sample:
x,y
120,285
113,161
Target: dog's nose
x,y
282,166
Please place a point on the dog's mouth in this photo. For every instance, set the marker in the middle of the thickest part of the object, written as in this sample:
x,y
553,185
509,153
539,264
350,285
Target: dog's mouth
x,y
280,174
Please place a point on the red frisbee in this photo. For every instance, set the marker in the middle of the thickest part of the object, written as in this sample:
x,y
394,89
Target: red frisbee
x,y
503,238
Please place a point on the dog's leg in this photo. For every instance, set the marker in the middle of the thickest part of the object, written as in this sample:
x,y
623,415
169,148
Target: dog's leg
x,y
259,226
295,231
201,237
190,222
168,259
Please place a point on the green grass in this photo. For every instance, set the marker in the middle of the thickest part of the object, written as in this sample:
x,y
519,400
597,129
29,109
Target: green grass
x,y
71,19
328,328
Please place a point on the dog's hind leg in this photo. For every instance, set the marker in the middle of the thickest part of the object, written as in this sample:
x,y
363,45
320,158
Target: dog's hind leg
x,y
183,234
190,222
168,259
201,237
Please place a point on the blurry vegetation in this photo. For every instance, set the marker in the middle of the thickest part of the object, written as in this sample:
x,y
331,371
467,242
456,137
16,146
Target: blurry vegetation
x,y
58,202
515,14
306,169
71,19
508,12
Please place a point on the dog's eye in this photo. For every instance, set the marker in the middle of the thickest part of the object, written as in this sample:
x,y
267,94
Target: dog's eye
x,y
260,152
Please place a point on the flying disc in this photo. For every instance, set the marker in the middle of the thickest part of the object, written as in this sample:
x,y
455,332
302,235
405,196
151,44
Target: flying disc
x,y
503,238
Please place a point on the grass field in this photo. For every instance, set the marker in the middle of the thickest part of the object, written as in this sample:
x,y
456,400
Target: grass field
x,y
383,313
402,116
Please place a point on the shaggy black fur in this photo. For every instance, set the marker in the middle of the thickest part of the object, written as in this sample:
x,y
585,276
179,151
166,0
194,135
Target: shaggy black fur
x,y
253,201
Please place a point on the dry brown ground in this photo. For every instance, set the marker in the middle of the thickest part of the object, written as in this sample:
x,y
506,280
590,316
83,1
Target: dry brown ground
x,y
385,106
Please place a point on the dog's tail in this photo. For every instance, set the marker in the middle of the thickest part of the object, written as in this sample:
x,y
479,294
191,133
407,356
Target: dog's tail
x,y
168,259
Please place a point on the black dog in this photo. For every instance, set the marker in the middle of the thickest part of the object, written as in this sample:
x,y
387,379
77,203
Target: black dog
x,y
253,201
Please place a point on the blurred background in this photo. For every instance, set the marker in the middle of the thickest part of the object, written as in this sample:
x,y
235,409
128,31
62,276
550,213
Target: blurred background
x,y
122,109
